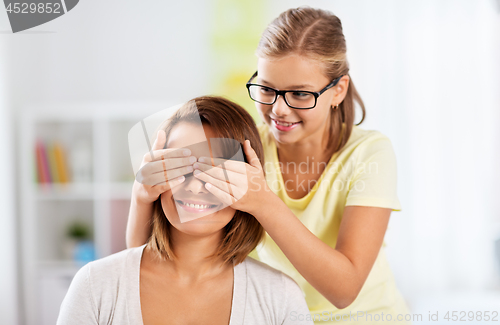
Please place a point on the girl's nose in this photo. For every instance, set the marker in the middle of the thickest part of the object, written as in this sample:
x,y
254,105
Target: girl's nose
x,y
280,108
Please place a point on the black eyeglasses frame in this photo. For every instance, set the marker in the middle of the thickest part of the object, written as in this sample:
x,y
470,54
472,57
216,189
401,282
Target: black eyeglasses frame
x,y
316,94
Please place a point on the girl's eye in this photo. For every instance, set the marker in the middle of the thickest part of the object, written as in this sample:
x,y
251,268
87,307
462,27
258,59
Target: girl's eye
x,y
301,95
265,90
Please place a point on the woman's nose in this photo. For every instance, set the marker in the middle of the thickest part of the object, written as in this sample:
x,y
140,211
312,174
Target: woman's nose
x,y
194,185
280,108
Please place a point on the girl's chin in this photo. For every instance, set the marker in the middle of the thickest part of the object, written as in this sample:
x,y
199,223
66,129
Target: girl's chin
x,y
286,138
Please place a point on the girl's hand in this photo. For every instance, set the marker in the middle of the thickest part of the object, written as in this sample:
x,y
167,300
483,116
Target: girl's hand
x,y
236,183
161,171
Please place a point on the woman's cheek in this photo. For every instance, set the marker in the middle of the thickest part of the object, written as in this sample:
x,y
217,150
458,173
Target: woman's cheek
x,y
167,204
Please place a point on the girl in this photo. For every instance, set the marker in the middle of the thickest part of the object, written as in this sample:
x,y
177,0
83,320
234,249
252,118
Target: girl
x,y
329,186
195,271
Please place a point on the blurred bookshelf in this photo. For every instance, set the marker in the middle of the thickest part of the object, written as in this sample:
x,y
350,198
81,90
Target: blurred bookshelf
x,y
75,168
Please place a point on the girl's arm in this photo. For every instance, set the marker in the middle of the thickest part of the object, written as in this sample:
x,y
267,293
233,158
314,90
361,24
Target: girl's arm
x,y
338,274
139,219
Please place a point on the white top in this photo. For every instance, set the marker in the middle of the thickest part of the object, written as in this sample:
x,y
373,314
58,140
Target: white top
x,y
106,291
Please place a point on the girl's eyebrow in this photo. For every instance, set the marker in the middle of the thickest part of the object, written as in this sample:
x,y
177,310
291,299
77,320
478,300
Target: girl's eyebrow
x,y
293,87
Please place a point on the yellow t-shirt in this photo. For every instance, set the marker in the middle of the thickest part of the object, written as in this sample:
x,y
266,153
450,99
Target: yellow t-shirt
x,y
363,173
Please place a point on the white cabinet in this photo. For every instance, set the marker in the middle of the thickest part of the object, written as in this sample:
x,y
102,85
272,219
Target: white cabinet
x,y
95,138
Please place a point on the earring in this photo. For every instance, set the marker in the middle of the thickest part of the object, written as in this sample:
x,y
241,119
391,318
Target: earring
x,y
335,108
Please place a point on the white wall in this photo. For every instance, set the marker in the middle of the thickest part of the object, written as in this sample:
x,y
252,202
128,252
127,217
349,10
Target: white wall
x,y
8,251
108,50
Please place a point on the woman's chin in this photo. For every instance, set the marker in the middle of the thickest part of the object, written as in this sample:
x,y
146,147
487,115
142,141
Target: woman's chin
x,y
200,227
202,224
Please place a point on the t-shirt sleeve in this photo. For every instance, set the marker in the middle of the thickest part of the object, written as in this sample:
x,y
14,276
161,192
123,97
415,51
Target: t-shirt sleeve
x,y
296,311
374,178
77,306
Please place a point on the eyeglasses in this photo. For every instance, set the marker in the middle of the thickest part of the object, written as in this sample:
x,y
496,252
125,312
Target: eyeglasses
x,y
298,99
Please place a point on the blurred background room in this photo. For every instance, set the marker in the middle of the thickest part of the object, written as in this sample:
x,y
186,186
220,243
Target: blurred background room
x,y
71,89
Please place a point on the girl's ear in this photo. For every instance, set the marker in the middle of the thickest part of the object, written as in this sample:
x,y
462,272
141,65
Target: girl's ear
x,y
340,89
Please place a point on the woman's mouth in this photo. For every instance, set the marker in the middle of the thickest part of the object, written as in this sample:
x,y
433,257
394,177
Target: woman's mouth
x,y
196,206
284,126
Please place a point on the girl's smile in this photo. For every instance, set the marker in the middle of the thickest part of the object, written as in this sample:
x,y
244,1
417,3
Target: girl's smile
x,y
283,125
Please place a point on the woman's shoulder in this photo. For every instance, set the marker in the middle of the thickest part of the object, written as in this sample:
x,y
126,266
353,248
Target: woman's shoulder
x,y
93,294
273,294
256,268
117,261
265,276
105,273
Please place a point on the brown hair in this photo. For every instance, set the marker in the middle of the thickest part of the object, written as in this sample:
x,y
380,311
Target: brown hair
x,y
316,34
228,120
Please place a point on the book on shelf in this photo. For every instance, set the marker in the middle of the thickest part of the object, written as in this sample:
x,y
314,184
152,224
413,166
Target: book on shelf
x,y
51,166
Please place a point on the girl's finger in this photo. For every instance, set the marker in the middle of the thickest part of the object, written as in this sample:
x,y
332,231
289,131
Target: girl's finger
x,y
232,165
160,166
166,176
229,188
169,153
220,194
165,186
251,155
159,141
221,173
226,187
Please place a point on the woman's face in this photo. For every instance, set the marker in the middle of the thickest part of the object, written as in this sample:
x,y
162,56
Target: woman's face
x,y
295,72
211,215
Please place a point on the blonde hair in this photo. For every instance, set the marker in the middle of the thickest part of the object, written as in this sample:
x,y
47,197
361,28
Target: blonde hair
x,y
316,34
228,120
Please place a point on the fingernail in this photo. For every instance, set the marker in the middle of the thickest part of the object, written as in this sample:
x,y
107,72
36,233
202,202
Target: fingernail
x,y
181,179
201,159
186,152
190,168
195,165
192,159
208,185
196,172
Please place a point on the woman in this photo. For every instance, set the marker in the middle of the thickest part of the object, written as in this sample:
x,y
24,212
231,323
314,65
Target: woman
x,y
329,187
194,268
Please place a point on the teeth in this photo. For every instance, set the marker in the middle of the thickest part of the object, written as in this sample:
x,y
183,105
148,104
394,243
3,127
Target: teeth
x,y
285,124
197,206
